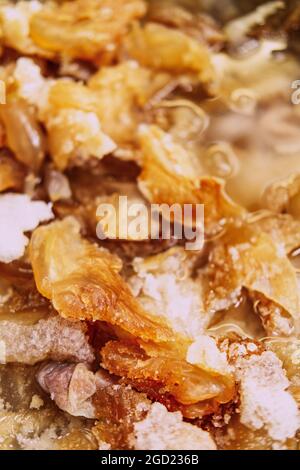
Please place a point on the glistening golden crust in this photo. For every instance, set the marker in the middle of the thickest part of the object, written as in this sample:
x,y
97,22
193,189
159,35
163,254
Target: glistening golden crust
x,y
105,99
83,29
168,176
83,283
171,50
166,374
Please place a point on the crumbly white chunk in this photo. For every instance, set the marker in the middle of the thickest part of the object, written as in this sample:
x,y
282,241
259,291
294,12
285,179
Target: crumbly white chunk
x,y
204,352
18,214
32,86
51,338
265,401
164,287
73,133
79,134
162,430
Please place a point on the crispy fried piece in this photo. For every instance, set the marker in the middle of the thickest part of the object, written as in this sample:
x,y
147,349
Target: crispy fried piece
x,y
76,135
67,109
171,50
82,120
169,176
19,120
67,94
83,283
250,259
196,25
284,196
74,128
83,29
163,373
12,174
127,87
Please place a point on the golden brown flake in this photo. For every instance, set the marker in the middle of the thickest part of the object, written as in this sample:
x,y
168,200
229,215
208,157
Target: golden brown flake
x,y
83,29
169,176
83,283
247,258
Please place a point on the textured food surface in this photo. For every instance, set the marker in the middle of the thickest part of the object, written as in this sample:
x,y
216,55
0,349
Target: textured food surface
x,y
123,325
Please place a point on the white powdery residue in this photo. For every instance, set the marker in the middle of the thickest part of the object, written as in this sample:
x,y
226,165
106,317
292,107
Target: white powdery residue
x,y
162,430
18,214
83,133
265,401
51,338
32,86
162,291
204,352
